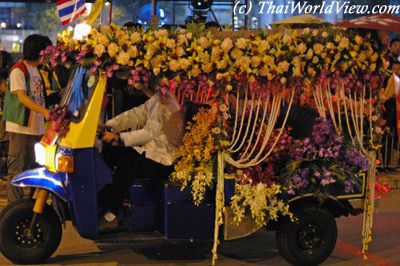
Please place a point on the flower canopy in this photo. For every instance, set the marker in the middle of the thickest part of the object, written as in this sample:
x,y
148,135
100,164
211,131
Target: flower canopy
x,y
192,59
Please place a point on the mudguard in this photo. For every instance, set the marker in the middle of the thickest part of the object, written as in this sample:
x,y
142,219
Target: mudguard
x,y
56,183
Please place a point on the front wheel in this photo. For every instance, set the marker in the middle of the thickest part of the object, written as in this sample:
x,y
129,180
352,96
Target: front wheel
x,y
21,246
310,240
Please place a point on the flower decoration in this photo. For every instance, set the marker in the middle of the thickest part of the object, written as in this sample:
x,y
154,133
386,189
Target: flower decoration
x,y
196,166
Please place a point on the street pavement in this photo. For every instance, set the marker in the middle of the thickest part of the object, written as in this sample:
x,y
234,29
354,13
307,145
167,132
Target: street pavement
x,y
258,249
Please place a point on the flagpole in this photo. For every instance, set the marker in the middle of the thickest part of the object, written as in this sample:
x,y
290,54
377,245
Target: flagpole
x,y
110,14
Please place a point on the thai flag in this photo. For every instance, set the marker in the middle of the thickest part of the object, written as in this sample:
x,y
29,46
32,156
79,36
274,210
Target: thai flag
x,y
68,10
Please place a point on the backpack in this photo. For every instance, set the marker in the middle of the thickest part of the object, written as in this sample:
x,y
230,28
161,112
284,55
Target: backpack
x,y
14,111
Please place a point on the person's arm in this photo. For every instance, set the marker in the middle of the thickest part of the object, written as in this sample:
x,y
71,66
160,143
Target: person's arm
x,y
151,129
133,118
24,99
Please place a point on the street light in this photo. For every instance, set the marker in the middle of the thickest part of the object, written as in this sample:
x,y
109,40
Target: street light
x,y
3,25
201,4
200,9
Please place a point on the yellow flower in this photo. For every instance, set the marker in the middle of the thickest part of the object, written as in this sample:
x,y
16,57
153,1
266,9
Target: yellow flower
x,y
263,71
207,68
241,43
156,71
226,44
223,108
301,48
330,46
216,130
222,64
152,49
325,34
229,88
283,80
133,51
344,66
362,57
309,54
103,40
215,54
106,29
173,65
311,71
122,58
243,63
268,59
203,42
344,43
183,63
155,62
374,57
236,53
170,43
284,66
135,37
315,59
112,49
181,39
179,51
353,54
297,71
99,50
263,46
195,71
255,61
204,57
318,48
122,37
359,40
161,33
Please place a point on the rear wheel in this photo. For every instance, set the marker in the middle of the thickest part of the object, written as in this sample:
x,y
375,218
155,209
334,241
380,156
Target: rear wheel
x,y
21,246
310,240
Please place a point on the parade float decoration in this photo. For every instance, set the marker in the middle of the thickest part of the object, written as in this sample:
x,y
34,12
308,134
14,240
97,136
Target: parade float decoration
x,y
246,77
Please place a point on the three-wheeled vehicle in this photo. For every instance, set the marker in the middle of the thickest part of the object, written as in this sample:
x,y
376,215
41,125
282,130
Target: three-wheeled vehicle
x,y
72,172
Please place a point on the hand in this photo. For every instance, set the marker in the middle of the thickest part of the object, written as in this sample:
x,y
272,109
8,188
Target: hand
x,y
110,137
102,127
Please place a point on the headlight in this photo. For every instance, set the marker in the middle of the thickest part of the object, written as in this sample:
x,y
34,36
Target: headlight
x,y
40,154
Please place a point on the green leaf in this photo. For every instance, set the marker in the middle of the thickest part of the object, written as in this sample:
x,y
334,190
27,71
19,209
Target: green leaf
x,y
196,28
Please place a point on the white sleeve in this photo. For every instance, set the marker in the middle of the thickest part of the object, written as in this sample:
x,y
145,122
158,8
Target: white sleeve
x,y
151,129
131,119
17,80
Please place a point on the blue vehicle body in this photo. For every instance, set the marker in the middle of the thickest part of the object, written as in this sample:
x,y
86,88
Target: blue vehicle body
x,y
78,190
155,206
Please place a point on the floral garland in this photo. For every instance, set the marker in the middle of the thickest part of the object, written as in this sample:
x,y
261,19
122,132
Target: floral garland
x,y
262,200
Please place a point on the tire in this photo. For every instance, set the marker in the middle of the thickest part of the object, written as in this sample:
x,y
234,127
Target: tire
x,y
310,240
15,245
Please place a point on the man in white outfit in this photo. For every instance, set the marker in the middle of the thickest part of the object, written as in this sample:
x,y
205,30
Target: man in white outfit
x,y
149,137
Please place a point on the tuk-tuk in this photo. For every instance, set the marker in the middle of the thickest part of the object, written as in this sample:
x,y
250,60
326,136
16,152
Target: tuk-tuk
x,y
72,172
